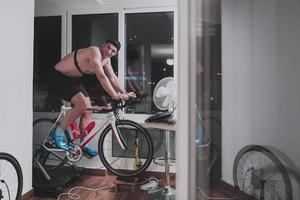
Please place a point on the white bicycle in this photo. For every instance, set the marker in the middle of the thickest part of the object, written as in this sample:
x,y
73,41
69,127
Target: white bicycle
x,y
125,148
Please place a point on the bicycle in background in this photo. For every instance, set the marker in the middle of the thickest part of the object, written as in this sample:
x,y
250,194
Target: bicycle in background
x,y
125,148
11,177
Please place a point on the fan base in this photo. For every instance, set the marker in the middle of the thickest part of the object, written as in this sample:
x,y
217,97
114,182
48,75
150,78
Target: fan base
x,y
164,193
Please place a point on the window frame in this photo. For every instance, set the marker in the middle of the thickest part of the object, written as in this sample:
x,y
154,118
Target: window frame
x,y
66,46
132,6
130,10
154,10
63,15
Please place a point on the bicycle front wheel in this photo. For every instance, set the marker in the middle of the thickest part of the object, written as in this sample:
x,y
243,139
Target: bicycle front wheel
x,y
11,177
135,158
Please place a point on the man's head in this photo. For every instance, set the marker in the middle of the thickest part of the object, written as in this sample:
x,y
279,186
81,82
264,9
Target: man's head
x,y
116,43
111,47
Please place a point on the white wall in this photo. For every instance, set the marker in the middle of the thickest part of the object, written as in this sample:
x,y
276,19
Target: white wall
x,y
261,68
16,50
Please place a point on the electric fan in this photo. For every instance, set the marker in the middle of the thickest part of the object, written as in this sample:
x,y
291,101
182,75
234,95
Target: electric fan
x,y
164,95
164,98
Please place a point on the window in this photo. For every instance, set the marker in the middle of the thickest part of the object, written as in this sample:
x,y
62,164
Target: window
x,y
149,55
47,52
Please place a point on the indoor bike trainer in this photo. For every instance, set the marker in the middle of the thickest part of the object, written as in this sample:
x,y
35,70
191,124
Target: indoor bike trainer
x,y
50,183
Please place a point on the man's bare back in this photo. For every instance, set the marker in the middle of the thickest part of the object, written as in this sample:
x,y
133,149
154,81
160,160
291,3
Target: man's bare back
x,y
84,56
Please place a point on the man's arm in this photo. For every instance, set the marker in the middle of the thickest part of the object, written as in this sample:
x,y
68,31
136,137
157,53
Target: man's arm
x,y
113,78
95,62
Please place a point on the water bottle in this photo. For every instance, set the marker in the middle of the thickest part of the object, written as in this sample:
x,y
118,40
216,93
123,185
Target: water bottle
x,y
75,131
88,129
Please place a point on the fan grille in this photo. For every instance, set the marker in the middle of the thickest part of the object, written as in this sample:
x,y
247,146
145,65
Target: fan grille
x,y
164,95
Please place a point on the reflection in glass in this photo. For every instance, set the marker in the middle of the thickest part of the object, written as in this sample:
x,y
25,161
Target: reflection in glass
x,y
149,55
208,95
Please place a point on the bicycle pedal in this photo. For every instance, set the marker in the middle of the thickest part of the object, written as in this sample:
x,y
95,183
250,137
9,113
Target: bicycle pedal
x,y
50,145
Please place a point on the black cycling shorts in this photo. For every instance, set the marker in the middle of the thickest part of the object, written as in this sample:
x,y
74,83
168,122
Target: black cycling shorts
x,y
66,87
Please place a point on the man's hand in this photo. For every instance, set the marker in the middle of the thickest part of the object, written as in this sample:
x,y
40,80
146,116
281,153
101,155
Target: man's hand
x,y
131,95
122,97
125,97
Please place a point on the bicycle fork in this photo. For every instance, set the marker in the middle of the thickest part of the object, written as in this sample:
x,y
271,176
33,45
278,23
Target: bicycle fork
x,y
117,134
122,143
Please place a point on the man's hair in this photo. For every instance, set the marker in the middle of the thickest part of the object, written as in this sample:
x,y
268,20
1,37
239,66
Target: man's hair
x,y
116,43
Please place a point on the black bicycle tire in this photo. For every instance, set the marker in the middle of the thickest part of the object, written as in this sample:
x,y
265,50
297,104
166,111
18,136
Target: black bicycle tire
x,y
16,165
282,169
42,149
52,121
149,142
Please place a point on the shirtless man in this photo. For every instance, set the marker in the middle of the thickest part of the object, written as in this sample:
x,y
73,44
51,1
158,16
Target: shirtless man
x,y
66,81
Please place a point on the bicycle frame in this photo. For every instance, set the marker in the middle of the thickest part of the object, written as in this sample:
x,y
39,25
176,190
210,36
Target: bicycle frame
x,y
110,120
134,148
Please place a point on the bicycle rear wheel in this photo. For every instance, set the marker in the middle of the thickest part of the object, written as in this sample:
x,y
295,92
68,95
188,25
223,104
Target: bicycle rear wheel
x,y
50,160
11,177
260,174
135,158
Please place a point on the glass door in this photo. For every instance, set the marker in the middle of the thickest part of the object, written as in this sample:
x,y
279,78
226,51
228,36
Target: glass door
x,y
242,102
200,105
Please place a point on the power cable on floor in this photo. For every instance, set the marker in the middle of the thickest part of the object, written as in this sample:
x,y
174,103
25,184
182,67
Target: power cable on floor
x,y
74,196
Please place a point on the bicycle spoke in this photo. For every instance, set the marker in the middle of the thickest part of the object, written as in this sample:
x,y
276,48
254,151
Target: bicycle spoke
x,y
123,161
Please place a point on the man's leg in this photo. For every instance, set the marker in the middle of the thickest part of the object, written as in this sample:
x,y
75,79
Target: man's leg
x,y
85,120
80,103
85,117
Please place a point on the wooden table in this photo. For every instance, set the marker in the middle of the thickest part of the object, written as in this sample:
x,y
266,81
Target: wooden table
x,y
167,128
161,126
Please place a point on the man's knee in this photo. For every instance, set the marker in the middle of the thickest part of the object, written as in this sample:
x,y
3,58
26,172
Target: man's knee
x,y
86,114
81,102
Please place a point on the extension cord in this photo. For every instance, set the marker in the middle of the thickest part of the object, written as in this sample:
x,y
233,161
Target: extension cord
x,y
74,196
150,185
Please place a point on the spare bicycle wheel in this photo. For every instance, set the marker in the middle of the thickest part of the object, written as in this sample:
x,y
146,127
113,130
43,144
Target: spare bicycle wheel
x,y
260,174
11,177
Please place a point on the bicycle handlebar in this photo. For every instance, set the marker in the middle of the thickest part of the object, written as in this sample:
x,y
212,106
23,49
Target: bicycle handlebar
x,y
118,104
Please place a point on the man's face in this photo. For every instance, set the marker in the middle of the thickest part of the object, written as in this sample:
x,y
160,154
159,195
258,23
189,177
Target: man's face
x,y
109,50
